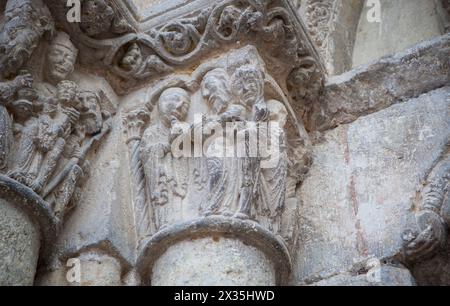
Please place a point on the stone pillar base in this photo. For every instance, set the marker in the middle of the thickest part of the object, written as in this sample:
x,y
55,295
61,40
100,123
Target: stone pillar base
x,y
26,226
214,251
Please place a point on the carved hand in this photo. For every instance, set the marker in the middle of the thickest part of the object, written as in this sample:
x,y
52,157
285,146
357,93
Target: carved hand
x,y
426,243
23,81
261,112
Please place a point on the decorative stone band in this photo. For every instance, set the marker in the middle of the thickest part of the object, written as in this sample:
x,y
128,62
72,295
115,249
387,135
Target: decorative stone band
x,y
248,232
29,228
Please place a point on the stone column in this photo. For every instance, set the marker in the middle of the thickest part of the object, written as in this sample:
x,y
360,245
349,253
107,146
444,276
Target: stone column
x,y
215,251
217,220
26,227
134,123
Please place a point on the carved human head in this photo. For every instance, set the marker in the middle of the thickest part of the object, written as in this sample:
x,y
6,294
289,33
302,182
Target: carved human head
x,y
277,112
90,112
96,17
61,58
247,85
215,89
67,93
173,105
132,59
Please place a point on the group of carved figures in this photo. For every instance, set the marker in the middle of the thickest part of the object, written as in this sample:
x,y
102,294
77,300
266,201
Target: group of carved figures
x,y
171,188
46,128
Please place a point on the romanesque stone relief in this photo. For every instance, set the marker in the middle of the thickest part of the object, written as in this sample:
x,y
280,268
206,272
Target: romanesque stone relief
x,y
137,57
433,216
212,117
49,126
98,17
25,24
319,14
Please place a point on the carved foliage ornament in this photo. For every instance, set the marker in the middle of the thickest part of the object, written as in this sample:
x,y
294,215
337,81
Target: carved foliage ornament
x,y
268,24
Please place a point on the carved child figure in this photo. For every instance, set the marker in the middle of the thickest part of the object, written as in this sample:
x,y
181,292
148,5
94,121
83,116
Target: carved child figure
x,y
90,128
43,139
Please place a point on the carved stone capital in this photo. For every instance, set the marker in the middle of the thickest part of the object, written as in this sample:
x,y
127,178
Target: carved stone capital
x,y
134,122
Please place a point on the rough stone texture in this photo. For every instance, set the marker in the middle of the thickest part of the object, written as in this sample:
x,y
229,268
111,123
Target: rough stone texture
x,y
99,108
189,263
19,246
385,276
96,269
394,33
368,173
390,80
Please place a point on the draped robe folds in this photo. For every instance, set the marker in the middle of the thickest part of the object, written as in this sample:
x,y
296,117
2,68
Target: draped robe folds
x,y
224,177
7,91
166,177
227,177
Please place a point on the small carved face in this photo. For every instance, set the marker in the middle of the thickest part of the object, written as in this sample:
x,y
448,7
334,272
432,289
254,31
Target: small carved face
x,y
91,115
248,85
132,59
60,62
176,40
228,20
215,90
67,93
96,17
173,105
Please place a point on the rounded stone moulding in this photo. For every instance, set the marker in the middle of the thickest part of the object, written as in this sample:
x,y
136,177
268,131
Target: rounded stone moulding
x,y
27,228
163,257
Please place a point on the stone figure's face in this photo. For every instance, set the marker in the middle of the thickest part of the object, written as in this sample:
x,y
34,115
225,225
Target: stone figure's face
x,y
173,105
215,90
91,115
248,85
132,59
67,93
60,62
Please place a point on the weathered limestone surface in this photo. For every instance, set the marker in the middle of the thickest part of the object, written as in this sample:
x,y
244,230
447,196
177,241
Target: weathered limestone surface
x,y
390,80
368,173
19,246
386,276
190,263
394,33
113,162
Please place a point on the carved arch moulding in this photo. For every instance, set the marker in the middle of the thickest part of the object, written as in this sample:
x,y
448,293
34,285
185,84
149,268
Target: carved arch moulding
x,y
133,50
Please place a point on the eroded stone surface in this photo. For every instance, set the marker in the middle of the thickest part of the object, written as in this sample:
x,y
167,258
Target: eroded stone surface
x,y
19,246
393,32
190,263
368,173
378,85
